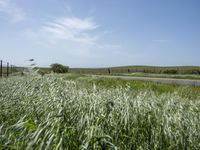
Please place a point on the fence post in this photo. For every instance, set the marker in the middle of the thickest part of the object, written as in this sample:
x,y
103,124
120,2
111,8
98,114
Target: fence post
x,y
1,68
7,69
10,68
109,71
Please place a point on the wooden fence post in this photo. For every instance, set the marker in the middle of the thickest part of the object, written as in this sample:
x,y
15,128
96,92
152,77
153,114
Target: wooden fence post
x,y
11,69
108,70
1,68
7,69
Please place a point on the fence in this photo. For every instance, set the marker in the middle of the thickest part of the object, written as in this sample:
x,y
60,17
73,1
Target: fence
x,y
7,69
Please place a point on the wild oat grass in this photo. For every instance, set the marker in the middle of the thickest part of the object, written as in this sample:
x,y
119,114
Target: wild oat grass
x,y
54,113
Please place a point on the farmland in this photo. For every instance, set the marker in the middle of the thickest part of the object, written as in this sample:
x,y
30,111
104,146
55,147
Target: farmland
x,y
86,112
131,70
140,69
152,75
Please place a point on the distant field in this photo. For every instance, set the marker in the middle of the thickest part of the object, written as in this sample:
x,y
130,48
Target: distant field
x,y
182,72
144,69
153,75
19,70
14,70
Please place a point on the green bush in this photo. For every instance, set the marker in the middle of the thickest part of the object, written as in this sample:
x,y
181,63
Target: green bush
x,y
170,71
196,71
58,68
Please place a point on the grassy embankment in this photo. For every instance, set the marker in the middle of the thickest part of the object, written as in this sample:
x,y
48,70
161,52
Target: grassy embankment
x,y
152,75
81,112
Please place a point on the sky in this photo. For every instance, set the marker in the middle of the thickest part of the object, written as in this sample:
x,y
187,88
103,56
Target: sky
x,y
100,33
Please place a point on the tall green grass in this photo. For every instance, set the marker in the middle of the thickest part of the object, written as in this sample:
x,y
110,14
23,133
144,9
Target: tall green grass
x,y
53,112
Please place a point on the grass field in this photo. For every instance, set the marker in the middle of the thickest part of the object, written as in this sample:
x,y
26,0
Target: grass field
x,y
129,69
152,75
181,72
141,69
85,112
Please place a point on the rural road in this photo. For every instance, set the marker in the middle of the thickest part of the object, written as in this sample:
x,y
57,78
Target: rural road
x,y
159,80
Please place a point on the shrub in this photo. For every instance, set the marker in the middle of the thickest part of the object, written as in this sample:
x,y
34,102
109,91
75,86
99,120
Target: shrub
x,y
58,68
196,71
170,71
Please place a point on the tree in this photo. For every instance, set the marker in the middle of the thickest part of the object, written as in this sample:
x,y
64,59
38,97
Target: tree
x,y
58,68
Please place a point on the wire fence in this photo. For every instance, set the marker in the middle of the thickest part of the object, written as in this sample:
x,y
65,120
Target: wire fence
x,y
7,69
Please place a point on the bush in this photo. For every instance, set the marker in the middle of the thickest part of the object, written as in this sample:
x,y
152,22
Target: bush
x,y
58,68
170,71
196,71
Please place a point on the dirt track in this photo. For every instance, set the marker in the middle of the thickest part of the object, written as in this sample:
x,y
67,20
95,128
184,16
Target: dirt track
x,y
160,80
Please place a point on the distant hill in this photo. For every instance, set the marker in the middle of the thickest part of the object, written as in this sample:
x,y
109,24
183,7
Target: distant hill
x,y
127,69
145,69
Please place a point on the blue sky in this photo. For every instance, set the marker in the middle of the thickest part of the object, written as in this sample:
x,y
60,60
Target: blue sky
x,y
100,33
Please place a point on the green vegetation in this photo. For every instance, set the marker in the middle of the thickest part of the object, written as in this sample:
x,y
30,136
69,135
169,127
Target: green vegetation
x,y
134,85
129,70
84,112
143,69
14,71
58,68
152,75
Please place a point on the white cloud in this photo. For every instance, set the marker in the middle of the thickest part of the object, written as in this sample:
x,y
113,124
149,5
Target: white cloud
x,y
12,10
79,39
72,28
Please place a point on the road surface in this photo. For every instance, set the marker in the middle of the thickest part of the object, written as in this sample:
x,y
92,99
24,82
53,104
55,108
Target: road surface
x,y
159,80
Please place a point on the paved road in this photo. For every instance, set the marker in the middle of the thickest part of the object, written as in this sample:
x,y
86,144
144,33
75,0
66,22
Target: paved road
x,y
159,80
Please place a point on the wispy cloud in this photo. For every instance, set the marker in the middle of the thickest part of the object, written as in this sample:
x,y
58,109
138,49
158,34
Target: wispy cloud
x,y
72,28
12,10
76,37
